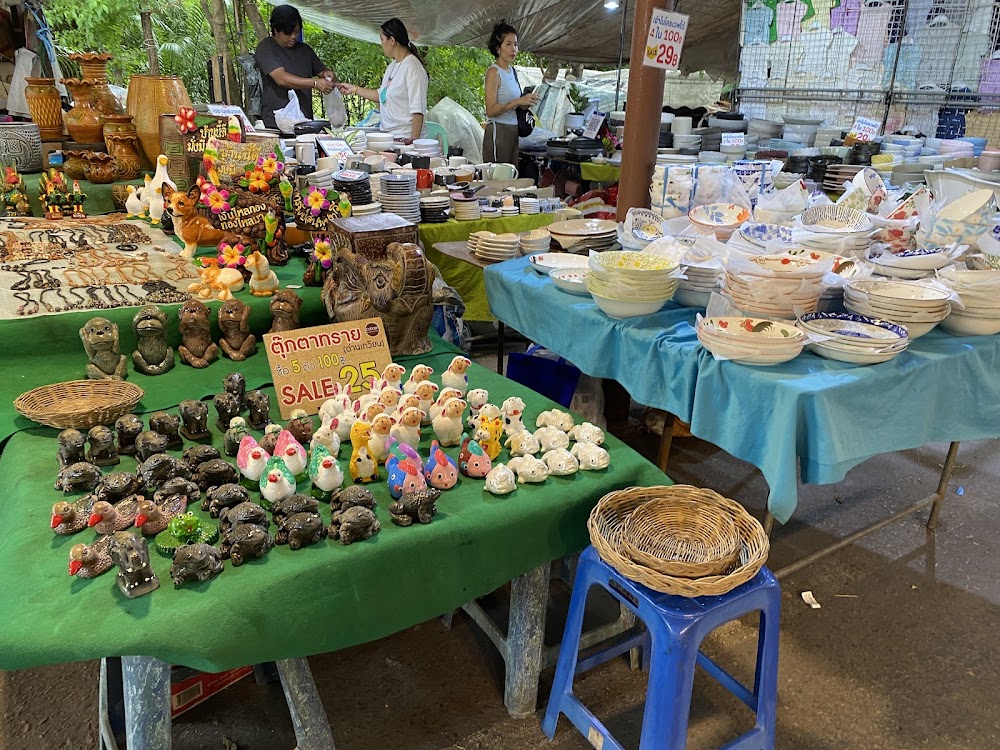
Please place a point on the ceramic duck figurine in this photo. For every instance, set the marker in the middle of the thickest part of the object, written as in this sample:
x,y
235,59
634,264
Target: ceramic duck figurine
x,y
529,469
418,374
476,398
446,395
144,194
472,459
489,434
133,204
392,377
426,391
441,471
325,474
448,424
344,422
407,430
500,480
160,176
404,475
326,438
151,518
587,433
156,206
550,438
363,467
106,518
455,376
290,450
251,460
513,414
591,457
378,442
70,518
90,560
276,483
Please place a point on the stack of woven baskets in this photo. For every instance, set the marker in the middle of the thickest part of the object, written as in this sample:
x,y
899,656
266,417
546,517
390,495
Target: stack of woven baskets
x,y
679,540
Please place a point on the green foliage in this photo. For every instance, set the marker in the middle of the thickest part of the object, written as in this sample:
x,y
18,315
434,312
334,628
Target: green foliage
x,y
577,99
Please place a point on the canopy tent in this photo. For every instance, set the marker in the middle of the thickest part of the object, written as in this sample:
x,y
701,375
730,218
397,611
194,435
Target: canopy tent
x,y
563,30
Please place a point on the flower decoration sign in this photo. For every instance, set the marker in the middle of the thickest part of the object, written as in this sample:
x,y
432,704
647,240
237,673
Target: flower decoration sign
x,y
306,363
206,128
665,39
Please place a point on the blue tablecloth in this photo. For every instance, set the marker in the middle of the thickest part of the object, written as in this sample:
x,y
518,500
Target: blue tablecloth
x,y
829,415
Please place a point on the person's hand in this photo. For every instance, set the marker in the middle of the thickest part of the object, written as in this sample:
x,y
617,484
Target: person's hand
x,y
529,100
347,88
324,85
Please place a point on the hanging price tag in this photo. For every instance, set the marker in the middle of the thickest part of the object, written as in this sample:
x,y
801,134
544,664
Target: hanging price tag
x,y
864,129
734,139
594,125
665,39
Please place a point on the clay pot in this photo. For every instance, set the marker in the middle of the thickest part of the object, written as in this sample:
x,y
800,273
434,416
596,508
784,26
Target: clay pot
x,y
93,65
45,106
148,98
75,165
21,144
100,168
84,123
123,144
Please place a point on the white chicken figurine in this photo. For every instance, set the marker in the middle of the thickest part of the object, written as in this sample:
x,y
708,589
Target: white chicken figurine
x,y
325,474
455,376
513,415
133,204
448,424
290,450
251,460
418,374
276,483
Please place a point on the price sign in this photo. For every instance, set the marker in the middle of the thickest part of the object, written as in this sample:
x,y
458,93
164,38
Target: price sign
x,y
665,39
337,147
864,129
226,110
594,125
306,363
734,139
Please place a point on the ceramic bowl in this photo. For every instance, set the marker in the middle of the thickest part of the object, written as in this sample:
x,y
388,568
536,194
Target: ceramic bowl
x,y
723,218
850,328
854,357
759,331
570,280
759,233
969,207
922,258
965,325
545,262
690,298
621,309
634,264
835,219
895,292
644,224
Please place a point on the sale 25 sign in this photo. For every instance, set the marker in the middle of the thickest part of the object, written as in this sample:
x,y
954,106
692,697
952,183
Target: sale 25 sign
x,y
665,40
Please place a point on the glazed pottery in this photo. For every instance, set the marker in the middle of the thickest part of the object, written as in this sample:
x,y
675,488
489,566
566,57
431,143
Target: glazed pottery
x,y
84,123
93,66
148,98
45,106
21,143
123,144
100,168
75,164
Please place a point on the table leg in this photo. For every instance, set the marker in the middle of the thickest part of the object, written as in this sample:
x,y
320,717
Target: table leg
x,y
529,595
942,490
768,523
501,332
147,703
312,728
666,438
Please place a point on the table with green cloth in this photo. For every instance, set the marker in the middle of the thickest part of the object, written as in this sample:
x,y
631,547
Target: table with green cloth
x,y
600,172
99,197
466,279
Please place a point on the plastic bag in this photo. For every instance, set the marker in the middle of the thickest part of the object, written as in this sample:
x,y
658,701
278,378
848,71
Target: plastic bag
x,y
336,112
290,115
463,129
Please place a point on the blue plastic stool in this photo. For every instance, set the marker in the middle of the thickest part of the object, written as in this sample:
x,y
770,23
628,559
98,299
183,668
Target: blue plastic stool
x,y
675,628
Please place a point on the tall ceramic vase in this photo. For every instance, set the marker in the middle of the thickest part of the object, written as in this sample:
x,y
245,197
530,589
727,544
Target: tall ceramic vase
x,y
93,65
84,123
45,106
148,98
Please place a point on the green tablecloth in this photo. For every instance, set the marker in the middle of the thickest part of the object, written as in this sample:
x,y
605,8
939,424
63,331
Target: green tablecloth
x,y
600,172
99,200
467,279
289,604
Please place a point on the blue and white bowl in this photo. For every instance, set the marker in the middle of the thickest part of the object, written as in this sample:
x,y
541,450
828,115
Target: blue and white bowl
x,y
760,233
850,329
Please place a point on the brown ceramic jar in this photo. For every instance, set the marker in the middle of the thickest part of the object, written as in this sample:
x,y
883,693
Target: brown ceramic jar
x,y
84,123
45,106
100,168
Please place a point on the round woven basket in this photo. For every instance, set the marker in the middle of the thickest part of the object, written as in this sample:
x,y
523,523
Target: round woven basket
x,y
682,536
79,403
607,522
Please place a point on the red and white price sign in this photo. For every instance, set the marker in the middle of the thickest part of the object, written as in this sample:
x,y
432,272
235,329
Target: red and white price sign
x,y
665,39
864,129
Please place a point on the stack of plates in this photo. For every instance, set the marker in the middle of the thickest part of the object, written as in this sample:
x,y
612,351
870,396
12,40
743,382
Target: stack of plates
x,y
837,174
379,141
777,286
857,339
399,195
495,247
488,212
687,141
398,183
979,291
434,209
321,178
535,241
839,229
465,209
697,288
583,235
913,305
911,264
355,183
511,210
367,209
529,206
751,341
427,147
626,283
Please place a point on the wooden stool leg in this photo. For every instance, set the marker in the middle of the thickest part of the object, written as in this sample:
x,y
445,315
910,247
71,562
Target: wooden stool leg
x,y
312,728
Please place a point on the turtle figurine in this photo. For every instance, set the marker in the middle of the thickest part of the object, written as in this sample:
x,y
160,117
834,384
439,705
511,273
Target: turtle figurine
x,y
81,476
116,486
159,468
415,506
300,530
246,512
353,525
178,486
246,541
224,496
195,562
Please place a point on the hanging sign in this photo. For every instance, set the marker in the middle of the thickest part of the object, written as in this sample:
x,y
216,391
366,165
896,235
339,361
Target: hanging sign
x,y
594,125
864,129
734,139
306,363
665,39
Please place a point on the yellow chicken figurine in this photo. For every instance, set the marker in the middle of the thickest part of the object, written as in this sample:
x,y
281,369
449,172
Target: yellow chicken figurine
x,y
363,467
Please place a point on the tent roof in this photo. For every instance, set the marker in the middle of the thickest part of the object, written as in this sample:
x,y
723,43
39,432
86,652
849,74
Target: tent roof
x,y
565,30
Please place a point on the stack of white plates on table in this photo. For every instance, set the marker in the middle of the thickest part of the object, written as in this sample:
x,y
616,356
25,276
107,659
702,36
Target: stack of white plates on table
x,y
751,341
918,263
427,147
916,306
511,210
839,229
379,141
398,195
495,247
465,209
626,283
687,141
979,292
322,178
837,174
355,183
488,212
434,209
535,241
857,339
529,205
583,235
367,209
697,288
473,240
776,286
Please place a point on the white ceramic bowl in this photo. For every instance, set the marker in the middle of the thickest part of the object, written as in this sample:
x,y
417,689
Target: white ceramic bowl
x,y
965,325
621,309
570,280
545,262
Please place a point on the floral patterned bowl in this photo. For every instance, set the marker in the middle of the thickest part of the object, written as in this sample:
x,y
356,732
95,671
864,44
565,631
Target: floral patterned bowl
x,y
722,218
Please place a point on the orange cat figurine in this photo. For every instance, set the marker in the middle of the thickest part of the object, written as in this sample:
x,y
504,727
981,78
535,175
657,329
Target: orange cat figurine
x,y
192,227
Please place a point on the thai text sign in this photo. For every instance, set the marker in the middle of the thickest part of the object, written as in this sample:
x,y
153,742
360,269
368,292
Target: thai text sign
x,y
665,39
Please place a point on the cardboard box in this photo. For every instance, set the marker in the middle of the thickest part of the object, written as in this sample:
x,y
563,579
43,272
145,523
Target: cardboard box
x,y
189,687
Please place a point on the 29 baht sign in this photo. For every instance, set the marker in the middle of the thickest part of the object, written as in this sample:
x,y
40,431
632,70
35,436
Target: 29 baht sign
x,y
308,363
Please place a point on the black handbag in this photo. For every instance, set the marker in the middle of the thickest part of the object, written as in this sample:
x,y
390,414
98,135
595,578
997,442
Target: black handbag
x,y
525,117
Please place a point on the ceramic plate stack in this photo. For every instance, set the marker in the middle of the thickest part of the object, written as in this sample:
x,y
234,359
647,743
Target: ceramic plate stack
x,y
535,241
626,283
838,229
398,195
355,183
697,288
776,286
751,341
434,209
367,209
427,147
488,212
583,235
857,339
913,305
322,178
979,291
496,247
511,210
379,141
465,209
529,206
473,242
837,174
918,263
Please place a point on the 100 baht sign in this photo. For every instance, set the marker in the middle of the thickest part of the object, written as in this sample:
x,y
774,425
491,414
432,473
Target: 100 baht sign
x,y
308,364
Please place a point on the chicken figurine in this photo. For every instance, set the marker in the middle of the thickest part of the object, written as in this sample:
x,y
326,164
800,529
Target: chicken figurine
x,y
133,203
418,374
152,518
363,467
276,483
441,471
70,518
404,471
90,560
324,473
106,518
251,460
407,429
455,376
290,450
378,442
448,424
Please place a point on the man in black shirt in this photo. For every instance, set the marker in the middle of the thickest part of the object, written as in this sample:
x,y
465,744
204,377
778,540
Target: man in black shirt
x,y
286,64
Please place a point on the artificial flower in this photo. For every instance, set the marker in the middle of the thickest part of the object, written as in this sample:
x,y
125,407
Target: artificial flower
x,y
185,120
231,256
217,200
323,252
257,181
270,164
316,200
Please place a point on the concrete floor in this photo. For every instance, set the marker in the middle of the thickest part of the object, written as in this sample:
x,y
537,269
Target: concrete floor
x,y
901,655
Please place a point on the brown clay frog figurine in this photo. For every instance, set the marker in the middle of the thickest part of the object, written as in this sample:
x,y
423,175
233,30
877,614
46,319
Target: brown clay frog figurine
x,y
259,404
159,468
195,562
128,428
353,525
149,443
152,356
237,431
415,506
71,447
224,496
177,486
291,505
214,473
246,541
194,419
131,555
245,512
117,485
101,449
195,455
79,477
167,425
237,342
197,348
300,530
100,341
227,406
352,496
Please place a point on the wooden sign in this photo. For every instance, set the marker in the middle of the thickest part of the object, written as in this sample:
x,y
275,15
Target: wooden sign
x,y
241,217
306,363
234,157
195,143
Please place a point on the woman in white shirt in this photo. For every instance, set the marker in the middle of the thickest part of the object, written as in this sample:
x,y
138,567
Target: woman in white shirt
x,y
503,97
402,97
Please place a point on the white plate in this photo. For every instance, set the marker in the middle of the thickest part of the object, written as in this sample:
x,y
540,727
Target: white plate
x,y
545,262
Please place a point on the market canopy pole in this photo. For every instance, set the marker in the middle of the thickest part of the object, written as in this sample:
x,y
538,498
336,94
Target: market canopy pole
x,y
642,121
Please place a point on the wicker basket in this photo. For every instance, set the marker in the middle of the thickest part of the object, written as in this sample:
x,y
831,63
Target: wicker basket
x,y
682,536
607,522
79,403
